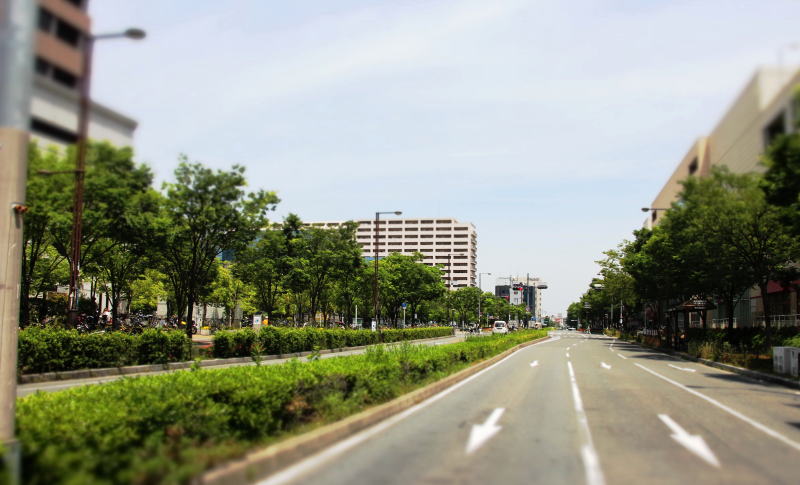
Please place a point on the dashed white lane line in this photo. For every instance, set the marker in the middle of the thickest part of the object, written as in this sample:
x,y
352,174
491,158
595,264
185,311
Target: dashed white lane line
x,y
591,462
622,356
605,366
752,422
685,369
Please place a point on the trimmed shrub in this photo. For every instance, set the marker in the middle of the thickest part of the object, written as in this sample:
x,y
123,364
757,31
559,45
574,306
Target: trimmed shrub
x,y
52,349
282,340
169,428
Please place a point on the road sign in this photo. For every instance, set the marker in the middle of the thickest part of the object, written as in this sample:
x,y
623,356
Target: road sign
x,y
404,305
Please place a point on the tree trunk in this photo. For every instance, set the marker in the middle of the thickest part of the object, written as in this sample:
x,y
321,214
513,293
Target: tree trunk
x,y
767,323
189,309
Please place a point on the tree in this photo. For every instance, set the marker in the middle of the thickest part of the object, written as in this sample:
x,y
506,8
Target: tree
x,y
405,279
261,265
206,213
147,291
231,292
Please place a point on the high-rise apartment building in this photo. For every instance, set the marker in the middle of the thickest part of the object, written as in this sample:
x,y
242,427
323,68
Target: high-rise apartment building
x,y
446,242
62,29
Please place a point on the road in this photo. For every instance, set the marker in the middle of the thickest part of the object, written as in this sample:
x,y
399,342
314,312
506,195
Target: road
x,y
51,386
578,409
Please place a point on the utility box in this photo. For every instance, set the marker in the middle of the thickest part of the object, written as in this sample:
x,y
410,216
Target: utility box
x,y
779,360
792,361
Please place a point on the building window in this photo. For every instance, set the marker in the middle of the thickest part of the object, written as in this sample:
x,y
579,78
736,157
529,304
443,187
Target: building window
x,y
50,130
775,128
693,166
46,20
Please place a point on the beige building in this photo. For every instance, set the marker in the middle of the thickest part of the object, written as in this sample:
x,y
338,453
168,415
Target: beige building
x,y
62,26
765,108
446,242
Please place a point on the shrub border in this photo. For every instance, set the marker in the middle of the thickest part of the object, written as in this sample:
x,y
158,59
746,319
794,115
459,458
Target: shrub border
x,y
261,463
172,366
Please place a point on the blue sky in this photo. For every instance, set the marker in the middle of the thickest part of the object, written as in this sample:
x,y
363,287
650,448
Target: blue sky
x,y
547,124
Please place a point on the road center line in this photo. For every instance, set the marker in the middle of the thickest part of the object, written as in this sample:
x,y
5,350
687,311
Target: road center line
x,y
307,464
591,462
769,431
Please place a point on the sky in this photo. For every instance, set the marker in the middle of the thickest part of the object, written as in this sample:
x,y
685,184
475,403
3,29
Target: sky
x,y
546,124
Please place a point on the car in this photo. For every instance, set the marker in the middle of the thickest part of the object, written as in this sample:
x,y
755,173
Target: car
x,y
500,327
570,329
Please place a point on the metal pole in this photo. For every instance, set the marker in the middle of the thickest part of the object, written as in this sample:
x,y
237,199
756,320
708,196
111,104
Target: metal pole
x,y
375,282
80,169
480,297
17,29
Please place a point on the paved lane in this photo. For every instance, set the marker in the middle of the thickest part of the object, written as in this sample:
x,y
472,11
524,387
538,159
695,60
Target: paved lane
x,y
579,409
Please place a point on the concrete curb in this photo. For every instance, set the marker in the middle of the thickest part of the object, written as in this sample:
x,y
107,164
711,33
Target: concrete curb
x,y
140,369
266,461
751,374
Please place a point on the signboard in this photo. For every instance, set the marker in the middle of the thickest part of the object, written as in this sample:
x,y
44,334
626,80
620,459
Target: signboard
x,y
374,326
404,305
697,304
256,321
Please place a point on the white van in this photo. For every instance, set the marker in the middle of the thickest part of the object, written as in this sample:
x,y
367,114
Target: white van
x,y
500,327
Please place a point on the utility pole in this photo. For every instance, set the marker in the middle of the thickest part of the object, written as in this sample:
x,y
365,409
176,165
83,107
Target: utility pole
x,y
17,28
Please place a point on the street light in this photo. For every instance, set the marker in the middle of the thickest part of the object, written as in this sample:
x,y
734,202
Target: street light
x,y
375,298
480,297
80,161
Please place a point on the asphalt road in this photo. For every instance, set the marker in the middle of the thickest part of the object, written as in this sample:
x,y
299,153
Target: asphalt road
x,y
578,409
51,386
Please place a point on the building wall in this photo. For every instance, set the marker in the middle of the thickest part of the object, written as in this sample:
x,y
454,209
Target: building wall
x,y
62,27
446,242
739,139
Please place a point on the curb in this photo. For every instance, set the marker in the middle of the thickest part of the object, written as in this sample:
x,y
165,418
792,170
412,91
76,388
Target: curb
x,y
140,369
261,463
752,374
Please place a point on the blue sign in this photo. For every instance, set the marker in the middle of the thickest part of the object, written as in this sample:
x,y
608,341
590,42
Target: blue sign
x,y
404,305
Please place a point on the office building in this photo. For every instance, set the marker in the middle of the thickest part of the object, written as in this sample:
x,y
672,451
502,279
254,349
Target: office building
x,y
446,242
62,27
521,291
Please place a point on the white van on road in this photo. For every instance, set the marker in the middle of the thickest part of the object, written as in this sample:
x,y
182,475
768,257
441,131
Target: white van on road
x,y
500,327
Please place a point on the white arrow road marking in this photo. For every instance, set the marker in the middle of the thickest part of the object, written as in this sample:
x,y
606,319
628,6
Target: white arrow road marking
x,y
605,366
692,442
481,433
752,422
534,363
622,356
686,369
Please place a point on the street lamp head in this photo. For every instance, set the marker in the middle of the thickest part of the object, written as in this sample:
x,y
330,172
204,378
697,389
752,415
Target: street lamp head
x,y
541,287
645,209
398,213
134,33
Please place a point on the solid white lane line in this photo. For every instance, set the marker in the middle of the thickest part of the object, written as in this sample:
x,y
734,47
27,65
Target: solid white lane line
x,y
304,466
591,462
622,356
692,442
534,363
752,422
686,369
481,433
605,366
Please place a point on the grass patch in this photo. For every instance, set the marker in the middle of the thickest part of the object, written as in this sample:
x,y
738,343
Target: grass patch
x,y
169,428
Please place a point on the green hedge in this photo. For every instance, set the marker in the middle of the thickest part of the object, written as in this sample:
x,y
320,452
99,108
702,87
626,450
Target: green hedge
x,y
51,349
169,428
281,340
